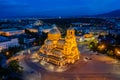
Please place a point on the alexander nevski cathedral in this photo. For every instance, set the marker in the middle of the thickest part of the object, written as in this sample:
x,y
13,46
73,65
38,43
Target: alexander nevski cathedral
x,y
60,51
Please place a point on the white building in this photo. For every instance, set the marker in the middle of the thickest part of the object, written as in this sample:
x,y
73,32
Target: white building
x,y
28,40
11,32
46,28
32,30
38,23
87,38
5,43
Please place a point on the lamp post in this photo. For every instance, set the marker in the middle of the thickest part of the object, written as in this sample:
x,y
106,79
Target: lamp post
x,y
7,53
117,51
101,47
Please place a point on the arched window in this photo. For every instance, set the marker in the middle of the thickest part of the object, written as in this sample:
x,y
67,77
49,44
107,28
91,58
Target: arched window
x,y
71,32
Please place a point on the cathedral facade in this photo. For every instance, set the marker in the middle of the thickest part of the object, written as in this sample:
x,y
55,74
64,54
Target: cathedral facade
x,y
60,51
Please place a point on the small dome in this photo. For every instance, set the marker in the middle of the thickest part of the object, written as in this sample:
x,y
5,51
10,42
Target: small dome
x,y
48,42
58,52
54,34
61,41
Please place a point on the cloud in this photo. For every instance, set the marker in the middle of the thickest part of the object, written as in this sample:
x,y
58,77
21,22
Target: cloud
x,y
60,7
5,4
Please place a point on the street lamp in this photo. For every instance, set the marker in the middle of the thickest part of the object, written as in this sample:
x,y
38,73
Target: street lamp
x,y
101,47
117,51
7,53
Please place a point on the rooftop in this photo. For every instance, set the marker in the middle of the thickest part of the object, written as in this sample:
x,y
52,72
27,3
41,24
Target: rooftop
x,y
2,39
54,31
71,28
10,29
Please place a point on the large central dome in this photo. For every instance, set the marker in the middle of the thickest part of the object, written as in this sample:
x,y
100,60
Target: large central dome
x,y
54,34
54,31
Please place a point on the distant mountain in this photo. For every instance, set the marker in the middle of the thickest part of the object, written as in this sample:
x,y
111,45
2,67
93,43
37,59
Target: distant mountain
x,y
115,13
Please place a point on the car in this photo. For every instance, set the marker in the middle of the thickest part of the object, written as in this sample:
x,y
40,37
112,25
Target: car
x,y
91,54
88,58
32,72
96,53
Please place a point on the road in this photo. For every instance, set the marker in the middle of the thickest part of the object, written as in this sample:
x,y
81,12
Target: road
x,y
101,67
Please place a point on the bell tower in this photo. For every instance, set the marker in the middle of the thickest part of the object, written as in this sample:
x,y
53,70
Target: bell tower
x,y
70,33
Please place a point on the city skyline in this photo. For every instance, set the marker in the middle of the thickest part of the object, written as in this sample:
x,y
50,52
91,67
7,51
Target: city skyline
x,y
12,8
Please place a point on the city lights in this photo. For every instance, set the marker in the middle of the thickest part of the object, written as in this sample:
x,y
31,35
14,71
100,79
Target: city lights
x,y
102,47
59,39
7,53
117,51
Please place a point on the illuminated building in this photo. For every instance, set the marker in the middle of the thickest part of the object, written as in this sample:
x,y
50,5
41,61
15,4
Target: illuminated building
x,y
5,43
38,23
88,28
60,51
88,35
32,30
88,38
11,32
46,28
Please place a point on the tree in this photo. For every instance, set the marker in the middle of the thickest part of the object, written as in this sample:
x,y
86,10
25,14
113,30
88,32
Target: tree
x,y
27,31
12,72
93,46
21,40
117,39
11,51
15,67
39,41
110,53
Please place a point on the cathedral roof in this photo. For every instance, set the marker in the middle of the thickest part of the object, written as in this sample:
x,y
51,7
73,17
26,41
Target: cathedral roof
x,y
58,52
54,30
71,28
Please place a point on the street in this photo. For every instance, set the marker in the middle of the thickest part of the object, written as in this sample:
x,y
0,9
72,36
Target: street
x,y
99,67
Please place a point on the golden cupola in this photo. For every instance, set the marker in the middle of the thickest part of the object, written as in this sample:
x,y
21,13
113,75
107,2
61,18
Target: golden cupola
x,y
54,34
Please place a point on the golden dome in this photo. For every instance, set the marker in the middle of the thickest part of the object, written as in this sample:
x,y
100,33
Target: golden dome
x,y
54,34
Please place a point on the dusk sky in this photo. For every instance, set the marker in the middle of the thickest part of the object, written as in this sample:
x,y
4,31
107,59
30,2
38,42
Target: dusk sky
x,y
56,7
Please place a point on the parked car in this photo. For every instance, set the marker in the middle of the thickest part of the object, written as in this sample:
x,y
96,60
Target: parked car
x,y
88,58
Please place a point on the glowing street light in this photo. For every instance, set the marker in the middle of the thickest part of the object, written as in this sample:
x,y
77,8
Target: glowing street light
x,y
117,51
101,47
7,53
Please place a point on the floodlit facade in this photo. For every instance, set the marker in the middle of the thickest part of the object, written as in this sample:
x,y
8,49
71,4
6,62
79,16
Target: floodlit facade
x,y
11,32
60,51
87,37
6,43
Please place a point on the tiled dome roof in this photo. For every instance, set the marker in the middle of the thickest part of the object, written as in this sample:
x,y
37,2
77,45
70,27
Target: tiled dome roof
x,y
54,31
